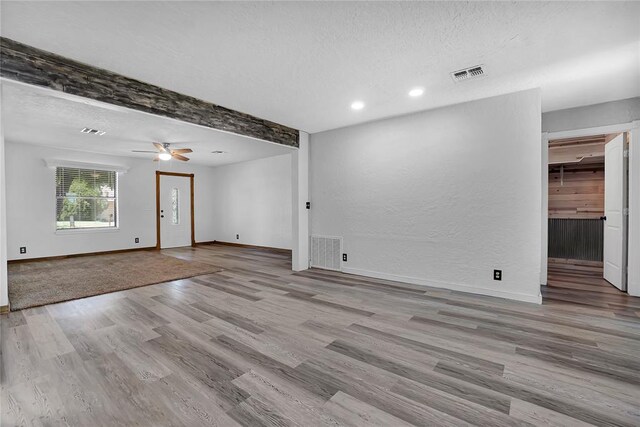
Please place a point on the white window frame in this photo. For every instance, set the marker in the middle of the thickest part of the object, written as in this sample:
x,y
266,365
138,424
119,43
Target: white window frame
x,y
118,169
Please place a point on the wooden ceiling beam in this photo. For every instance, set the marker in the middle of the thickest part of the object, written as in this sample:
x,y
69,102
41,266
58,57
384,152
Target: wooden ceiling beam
x,y
26,64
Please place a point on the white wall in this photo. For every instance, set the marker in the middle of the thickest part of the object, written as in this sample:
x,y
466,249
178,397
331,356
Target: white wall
x,y
253,199
299,199
439,198
31,203
607,113
4,290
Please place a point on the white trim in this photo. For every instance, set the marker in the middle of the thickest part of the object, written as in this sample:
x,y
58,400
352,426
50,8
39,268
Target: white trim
x,y
87,230
598,130
535,299
633,229
545,209
57,163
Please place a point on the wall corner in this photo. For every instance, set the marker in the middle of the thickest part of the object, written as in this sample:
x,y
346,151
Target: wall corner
x,y
299,199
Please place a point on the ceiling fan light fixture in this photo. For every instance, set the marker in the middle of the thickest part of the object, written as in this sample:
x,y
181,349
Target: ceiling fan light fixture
x,y
164,156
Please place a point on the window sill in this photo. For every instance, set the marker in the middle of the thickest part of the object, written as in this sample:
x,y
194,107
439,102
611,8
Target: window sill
x,y
64,231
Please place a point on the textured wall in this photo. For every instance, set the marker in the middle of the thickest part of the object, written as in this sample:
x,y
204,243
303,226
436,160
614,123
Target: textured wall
x,y
4,295
439,198
31,203
253,199
608,113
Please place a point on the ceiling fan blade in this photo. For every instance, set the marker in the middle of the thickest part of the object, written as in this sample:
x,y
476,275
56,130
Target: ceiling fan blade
x,y
160,147
181,151
143,151
179,157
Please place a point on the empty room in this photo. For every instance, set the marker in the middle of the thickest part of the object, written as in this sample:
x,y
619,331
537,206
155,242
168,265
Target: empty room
x,y
319,213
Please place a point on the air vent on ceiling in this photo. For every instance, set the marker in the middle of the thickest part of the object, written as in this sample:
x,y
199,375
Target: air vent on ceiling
x,y
469,73
93,131
326,252
218,152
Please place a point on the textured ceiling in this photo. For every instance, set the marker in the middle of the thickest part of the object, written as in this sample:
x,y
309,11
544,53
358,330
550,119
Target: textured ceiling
x,y
303,63
45,117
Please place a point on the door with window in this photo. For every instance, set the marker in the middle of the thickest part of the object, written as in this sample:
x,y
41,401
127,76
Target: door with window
x,y
175,211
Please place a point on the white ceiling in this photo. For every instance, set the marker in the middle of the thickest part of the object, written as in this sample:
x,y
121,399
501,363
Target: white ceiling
x,y
44,117
303,63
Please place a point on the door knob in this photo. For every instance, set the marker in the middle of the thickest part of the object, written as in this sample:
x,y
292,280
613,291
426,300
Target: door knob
x,y
603,218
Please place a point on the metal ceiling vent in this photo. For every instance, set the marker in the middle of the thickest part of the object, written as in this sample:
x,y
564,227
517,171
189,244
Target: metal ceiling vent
x,y
93,131
326,252
474,72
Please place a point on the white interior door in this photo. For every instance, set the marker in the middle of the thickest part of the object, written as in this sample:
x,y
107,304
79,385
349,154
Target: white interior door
x,y
614,204
175,211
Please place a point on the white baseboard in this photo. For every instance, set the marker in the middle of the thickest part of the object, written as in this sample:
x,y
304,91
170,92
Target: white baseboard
x,y
535,299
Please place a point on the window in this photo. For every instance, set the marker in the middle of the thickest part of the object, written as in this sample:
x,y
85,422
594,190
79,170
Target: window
x,y
174,207
86,198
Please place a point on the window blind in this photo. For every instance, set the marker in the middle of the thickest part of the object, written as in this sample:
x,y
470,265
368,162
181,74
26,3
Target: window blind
x,y
86,198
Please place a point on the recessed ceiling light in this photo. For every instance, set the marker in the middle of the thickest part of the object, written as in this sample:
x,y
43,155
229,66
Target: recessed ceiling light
x,y
93,131
415,92
164,156
357,105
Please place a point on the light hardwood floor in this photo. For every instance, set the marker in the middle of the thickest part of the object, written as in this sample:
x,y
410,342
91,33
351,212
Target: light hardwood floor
x,y
257,344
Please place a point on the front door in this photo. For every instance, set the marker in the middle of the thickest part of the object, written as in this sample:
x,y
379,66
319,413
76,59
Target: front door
x,y
175,211
614,253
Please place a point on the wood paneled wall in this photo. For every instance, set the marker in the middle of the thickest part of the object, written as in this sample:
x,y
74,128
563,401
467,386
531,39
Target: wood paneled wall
x,y
579,193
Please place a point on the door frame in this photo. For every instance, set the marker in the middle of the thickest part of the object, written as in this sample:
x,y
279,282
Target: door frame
x,y
191,182
633,229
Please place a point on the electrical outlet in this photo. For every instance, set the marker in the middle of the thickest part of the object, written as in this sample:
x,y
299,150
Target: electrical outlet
x,y
137,240
237,237
497,274
308,205
344,257
23,249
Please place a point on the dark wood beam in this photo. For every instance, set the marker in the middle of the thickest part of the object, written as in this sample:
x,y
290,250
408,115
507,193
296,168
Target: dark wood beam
x,y
37,67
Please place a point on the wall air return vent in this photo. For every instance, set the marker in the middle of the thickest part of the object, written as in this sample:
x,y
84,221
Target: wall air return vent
x,y
326,252
474,72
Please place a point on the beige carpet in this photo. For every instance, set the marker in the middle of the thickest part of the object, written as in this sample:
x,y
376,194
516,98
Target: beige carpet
x,y
44,282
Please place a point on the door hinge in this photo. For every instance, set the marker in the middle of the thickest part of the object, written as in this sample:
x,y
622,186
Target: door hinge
x,y
625,153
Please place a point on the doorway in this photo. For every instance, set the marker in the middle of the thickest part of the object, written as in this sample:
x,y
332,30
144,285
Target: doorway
x,y
587,209
174,210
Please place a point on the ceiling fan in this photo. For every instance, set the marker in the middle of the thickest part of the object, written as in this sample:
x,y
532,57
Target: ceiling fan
x,y
166,153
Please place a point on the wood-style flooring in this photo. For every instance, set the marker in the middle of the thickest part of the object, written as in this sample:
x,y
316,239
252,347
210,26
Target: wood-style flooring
x,y
257,344
581,282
